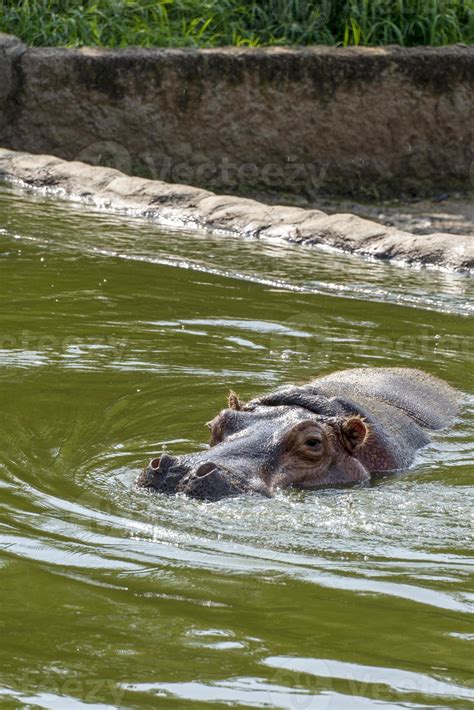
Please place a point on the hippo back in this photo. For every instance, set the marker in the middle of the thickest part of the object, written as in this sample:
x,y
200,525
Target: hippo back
x,y
399,404
429,401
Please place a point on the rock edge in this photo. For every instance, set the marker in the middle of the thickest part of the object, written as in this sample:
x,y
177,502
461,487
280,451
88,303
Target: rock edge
x,y
185,206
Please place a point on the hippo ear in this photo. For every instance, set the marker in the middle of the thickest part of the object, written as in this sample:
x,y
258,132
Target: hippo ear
x,y
233,402
355,433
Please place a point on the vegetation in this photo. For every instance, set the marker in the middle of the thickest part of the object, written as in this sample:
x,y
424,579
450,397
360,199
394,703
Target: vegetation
x,y
212,23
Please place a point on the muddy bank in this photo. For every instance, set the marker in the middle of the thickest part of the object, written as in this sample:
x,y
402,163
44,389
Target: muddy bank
x,y
303,121
453,214
183,205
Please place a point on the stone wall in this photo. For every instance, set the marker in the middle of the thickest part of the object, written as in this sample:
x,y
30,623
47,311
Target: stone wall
x,y
192,207
346,121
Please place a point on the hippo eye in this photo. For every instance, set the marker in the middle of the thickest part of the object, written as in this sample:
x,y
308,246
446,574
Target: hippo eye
x,y
313,443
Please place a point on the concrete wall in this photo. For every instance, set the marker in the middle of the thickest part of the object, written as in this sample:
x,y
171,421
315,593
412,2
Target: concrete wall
x,y
349,121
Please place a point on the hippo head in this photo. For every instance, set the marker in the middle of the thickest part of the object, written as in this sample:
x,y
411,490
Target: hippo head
x,y
268,444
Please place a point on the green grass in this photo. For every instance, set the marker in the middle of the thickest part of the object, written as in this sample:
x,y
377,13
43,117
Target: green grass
x,y
214,23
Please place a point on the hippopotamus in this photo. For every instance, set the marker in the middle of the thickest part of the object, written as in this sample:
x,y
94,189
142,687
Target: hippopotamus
x,y
341,429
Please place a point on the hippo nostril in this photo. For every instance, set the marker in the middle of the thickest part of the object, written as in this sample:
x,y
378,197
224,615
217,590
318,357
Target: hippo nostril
x,y
161,464
205,469
163,473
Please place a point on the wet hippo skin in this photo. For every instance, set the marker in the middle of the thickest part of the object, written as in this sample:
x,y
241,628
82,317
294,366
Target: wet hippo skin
x,y
340,429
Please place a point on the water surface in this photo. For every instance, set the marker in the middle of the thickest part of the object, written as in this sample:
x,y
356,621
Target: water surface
x,y
119,340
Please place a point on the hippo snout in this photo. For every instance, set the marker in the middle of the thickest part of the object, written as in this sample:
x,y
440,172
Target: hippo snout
x,y
210,481
204,480
162,474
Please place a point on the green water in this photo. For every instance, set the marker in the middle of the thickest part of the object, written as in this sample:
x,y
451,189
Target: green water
x,y
119,340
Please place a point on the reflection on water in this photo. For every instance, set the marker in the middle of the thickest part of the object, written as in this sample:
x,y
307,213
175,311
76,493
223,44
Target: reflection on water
x,y
119,340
